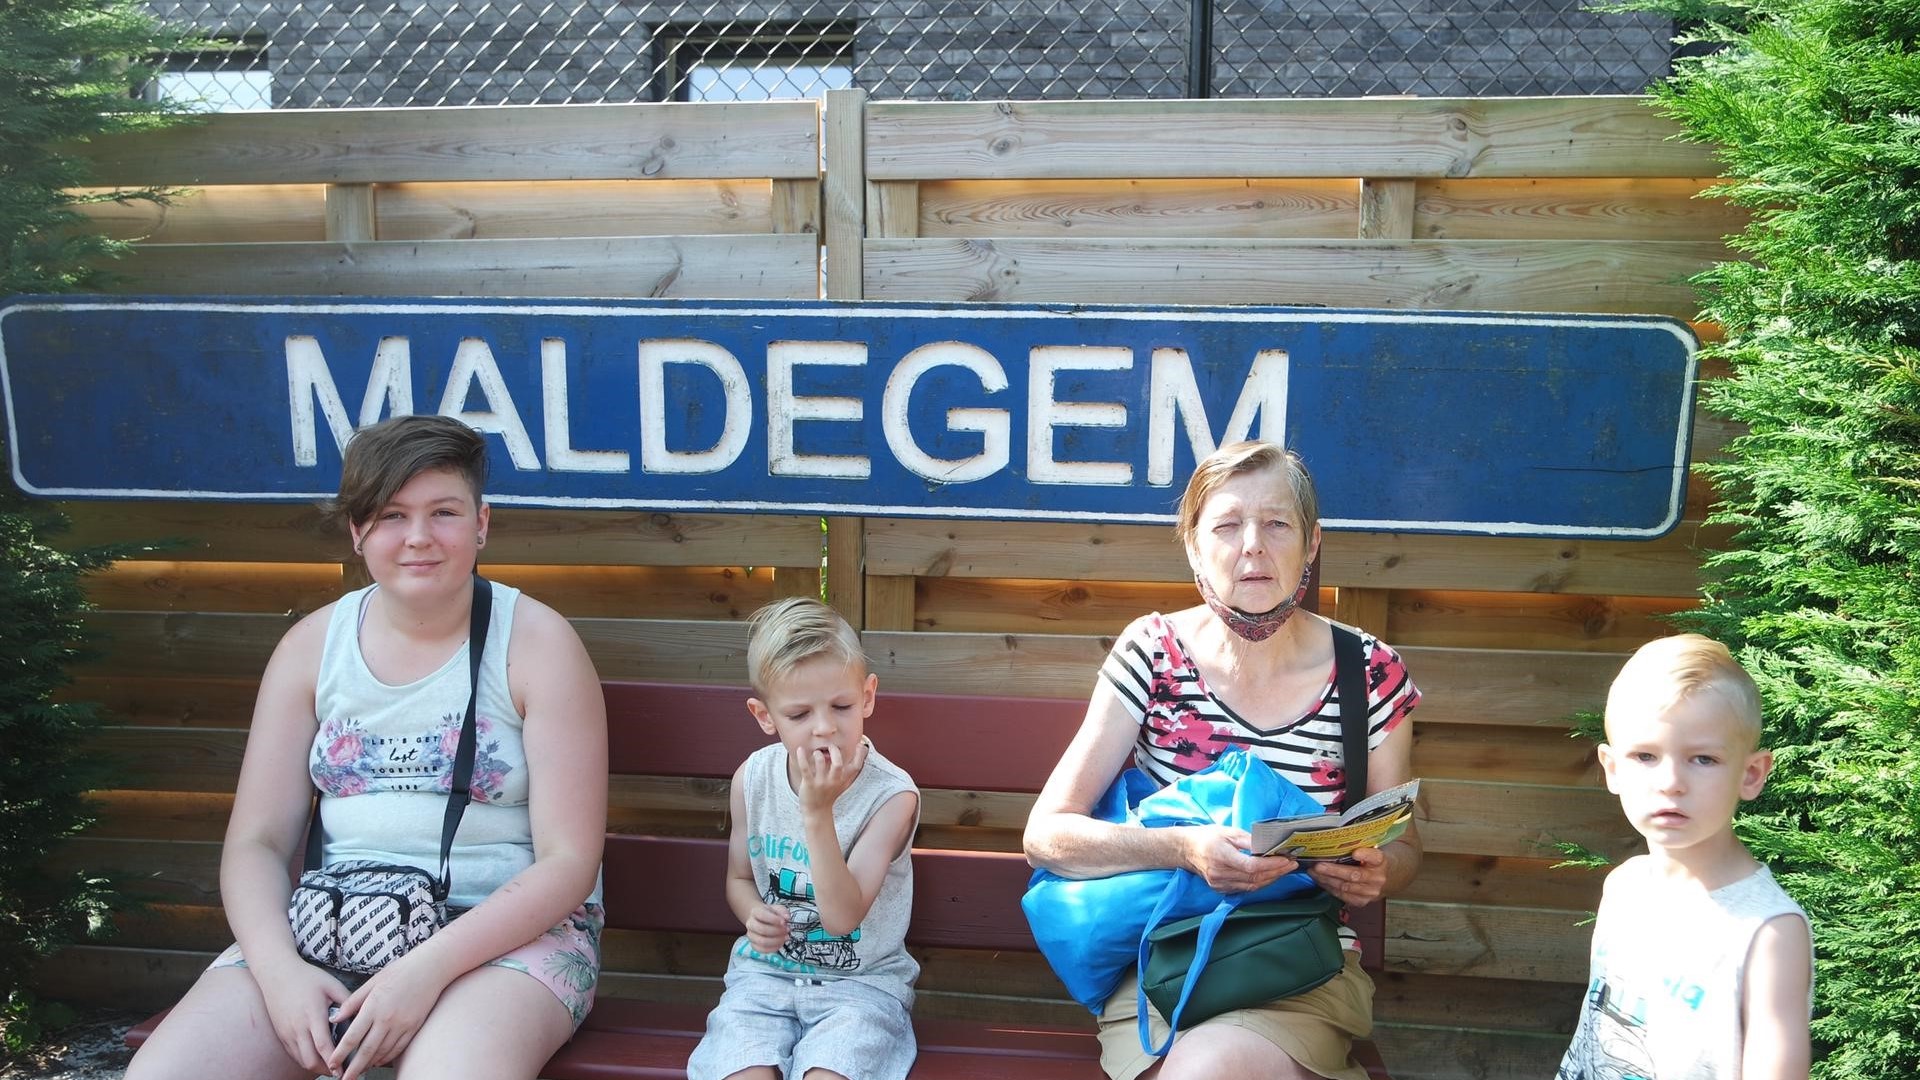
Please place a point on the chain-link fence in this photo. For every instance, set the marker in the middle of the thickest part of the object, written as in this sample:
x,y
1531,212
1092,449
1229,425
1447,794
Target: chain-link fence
x,y
308,53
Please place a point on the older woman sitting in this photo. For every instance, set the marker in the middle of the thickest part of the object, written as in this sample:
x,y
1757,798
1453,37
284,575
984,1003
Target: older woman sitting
x,y
1247,667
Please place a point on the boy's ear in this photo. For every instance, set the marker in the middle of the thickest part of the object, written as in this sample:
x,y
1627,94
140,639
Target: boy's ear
x,y
1607,763
1754,777
759,710
867,693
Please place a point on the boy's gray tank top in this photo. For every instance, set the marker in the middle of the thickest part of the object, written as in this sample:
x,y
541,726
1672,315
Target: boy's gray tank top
x,y
875,952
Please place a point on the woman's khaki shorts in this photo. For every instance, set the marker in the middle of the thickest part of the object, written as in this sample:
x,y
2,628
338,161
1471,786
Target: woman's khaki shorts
x,y
1316,1028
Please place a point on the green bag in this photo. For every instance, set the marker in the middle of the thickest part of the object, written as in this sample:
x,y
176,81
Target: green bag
x,y
1263,952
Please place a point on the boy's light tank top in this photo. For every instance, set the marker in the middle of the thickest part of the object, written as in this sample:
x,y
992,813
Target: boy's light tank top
x,y
1668,971
875,952
383,758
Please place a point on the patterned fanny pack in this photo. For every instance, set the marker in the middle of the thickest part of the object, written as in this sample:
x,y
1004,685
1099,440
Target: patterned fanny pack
x,y
361,916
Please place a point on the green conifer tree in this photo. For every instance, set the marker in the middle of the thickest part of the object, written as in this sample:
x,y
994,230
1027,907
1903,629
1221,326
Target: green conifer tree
x,y
1815,105
69,70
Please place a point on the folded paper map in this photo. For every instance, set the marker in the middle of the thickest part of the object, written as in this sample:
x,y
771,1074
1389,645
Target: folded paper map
x,y
1373,822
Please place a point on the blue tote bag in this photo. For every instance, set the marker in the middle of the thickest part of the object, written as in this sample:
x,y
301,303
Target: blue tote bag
x,y
1090,929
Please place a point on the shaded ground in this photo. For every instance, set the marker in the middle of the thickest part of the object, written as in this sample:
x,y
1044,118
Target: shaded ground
x,y
88,1049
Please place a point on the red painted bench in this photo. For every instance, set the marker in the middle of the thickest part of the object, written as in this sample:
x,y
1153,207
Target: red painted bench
x,y
967,899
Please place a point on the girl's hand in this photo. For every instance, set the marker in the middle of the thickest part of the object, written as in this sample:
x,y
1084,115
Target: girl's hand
x,y
1219,855
767,928
297,997
386,1012
1359,882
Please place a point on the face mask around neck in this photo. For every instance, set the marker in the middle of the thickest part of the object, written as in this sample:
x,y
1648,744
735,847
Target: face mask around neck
x,y
1254,627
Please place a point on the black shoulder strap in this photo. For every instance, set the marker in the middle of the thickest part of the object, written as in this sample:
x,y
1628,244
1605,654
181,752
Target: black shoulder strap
x,y
460,792
1350,682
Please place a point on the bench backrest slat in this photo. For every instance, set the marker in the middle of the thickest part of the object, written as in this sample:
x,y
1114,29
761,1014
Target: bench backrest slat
x,y
969,743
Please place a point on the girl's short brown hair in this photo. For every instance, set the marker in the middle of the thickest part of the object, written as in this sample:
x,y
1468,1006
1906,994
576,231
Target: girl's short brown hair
x,y
1237,459
382,457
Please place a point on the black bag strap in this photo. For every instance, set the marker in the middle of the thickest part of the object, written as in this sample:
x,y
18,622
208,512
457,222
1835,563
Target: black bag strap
x,y
1350,682
460,790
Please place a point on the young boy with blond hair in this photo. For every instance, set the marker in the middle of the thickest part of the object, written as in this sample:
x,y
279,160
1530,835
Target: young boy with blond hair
x,y
1701,965
820,985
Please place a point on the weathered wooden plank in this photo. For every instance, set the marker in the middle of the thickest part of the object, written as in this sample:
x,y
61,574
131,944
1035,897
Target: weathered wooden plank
x,y
843,195
171,872
673,141
1418,137
135,585
744,267
483,211
890,603
893,209
1609,276
1365,608
142,979
796,207
1542,944
174,759
653,538
1520,1005
264,213
719,592
173,926
846,567
1413,617
350,213
142,644
1669,566
1493,879
680,592
1417,1052
1619,208
1025,606
298,532
1471,686
1492,620
163,701
1461,817
1135,208
634,802
221,532
1386,209
162,815
1511,753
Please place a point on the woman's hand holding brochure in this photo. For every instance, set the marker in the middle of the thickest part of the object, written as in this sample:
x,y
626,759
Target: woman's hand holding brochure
x,y
1373,822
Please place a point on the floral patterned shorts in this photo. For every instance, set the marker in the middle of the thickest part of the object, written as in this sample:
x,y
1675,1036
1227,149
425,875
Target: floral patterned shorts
x,y
566,959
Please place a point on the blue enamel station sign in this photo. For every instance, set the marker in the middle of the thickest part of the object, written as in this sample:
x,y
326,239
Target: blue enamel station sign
x,y
1457,422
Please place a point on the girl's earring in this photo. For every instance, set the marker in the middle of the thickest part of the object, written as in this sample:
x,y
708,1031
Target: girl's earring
x,y
480,541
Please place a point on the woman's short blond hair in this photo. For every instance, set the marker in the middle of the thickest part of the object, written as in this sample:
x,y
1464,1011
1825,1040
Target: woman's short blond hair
x,y
786,633
1666,671
1238,459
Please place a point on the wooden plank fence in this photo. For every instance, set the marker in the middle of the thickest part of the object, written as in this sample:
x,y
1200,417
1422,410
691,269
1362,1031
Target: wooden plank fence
x,y
1574,205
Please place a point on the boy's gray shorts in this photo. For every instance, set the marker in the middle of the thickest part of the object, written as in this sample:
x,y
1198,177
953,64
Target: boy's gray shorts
x,y
844,1025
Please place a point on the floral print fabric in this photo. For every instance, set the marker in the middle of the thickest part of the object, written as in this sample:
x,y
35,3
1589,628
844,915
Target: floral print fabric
x,y
1184,726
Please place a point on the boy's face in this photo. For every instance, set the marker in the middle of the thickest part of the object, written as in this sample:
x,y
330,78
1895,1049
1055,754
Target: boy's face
x,y
1680,774
823,702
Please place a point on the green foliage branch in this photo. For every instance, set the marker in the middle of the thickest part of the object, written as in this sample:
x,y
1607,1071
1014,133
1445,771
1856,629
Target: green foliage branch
x,y
68,71
46,768
1815,105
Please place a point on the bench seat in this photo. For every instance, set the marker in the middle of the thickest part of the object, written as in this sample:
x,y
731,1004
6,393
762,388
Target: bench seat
x,y
966,896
